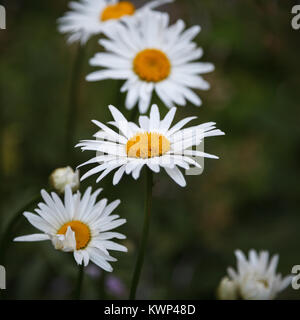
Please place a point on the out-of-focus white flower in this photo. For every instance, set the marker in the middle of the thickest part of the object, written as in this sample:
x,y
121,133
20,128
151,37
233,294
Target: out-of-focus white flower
x,y
79,225
153,143
90,17
153,56
227,290
255,278
61,177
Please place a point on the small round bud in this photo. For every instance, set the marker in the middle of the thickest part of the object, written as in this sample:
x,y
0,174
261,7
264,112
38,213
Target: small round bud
x,y
61,177
227,290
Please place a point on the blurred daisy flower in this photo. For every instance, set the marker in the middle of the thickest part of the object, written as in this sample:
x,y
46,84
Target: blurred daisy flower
x,y
79,225
153,143
61,177
90,17
255,278
153,56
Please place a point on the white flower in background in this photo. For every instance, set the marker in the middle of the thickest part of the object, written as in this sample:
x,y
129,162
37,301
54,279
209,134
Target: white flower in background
x,y
79,225
91,17
61,177
255,278
153,56
153,143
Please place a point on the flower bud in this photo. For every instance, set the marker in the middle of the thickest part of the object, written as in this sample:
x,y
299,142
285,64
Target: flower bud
x,y
227,290
61,177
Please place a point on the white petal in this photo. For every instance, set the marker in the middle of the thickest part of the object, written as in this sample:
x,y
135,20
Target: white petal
x,y
167,121
154,118
78,257
176,175
38,222
118,174
33,237
144,123
179,125
110,208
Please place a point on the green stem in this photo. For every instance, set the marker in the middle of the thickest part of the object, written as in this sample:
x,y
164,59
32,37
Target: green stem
x,y
77,292
9,232
74,100
141,253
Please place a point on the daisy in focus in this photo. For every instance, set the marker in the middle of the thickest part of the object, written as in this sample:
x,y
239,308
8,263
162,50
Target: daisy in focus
x,y
79,225
153,57
255,278
153,143
89,17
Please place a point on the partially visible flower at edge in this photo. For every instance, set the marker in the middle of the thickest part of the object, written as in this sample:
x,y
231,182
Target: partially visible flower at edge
x,y
90,17
255,278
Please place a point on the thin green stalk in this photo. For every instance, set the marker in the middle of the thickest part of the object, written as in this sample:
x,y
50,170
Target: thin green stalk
x,y
77,292
72,115
9,232
142,249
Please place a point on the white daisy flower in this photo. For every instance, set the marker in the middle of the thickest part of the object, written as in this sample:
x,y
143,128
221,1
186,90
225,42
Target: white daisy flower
x,y
153,56
79,225
255,278
153,143
90,17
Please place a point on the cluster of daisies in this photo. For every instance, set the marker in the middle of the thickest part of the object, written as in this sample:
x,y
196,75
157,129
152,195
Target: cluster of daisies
x,y
141,48
151,56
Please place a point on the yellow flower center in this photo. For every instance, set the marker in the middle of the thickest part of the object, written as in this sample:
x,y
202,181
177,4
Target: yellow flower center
x,y
118,10
147,145
152,65
264,282
82,233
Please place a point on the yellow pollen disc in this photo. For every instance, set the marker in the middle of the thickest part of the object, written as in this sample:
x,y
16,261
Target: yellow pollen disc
x,y
82,233
118,10
147,145
152,65
264,282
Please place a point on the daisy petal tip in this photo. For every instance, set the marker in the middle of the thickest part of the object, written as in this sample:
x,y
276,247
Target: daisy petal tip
x,y
110,269
118,202
88,78
212,67
26,213
43,192
111,107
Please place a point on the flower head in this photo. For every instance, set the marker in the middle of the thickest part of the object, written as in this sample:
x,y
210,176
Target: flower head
x,y
79,225
153,56
255,279
153,143
90,17
61,177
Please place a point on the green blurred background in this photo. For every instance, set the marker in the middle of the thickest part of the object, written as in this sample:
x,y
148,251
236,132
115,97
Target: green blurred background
x,y
247,199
